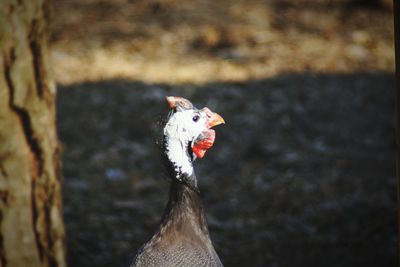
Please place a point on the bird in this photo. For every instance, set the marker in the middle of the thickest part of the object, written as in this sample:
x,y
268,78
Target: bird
x,y
182,238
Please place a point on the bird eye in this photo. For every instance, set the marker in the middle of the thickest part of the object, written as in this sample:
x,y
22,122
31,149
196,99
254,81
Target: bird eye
x,y
196,118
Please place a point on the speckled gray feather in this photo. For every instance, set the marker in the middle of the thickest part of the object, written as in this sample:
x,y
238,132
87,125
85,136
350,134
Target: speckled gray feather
x,y
182,239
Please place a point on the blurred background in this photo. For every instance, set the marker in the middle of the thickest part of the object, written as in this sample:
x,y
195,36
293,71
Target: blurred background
x,y
302,174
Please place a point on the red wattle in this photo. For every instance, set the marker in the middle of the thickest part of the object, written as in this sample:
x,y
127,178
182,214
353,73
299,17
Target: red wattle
x,y
203,142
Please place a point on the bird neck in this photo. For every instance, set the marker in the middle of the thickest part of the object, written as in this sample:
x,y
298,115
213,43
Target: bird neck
x,y
184,205
185,211
179,161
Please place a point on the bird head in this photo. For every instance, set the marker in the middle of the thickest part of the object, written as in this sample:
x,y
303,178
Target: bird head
x,y
188,131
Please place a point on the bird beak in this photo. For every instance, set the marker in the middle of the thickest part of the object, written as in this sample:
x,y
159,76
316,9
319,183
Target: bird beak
x,y
206,139
213,119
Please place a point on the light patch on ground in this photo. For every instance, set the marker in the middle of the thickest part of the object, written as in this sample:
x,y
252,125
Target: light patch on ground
x,y
203,41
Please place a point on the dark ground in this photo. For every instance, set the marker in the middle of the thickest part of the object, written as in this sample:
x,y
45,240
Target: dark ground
x,y
302,174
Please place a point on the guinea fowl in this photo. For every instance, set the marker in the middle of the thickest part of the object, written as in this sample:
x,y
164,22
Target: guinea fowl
x,y
182,238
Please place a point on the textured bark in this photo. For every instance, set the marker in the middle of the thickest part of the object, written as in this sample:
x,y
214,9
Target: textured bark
x,y
31,226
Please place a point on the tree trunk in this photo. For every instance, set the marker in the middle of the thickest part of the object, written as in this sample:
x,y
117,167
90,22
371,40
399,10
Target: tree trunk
x,y
31,226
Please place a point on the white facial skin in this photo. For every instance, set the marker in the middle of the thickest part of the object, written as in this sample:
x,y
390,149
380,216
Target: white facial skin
x,y
183,127
186,125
